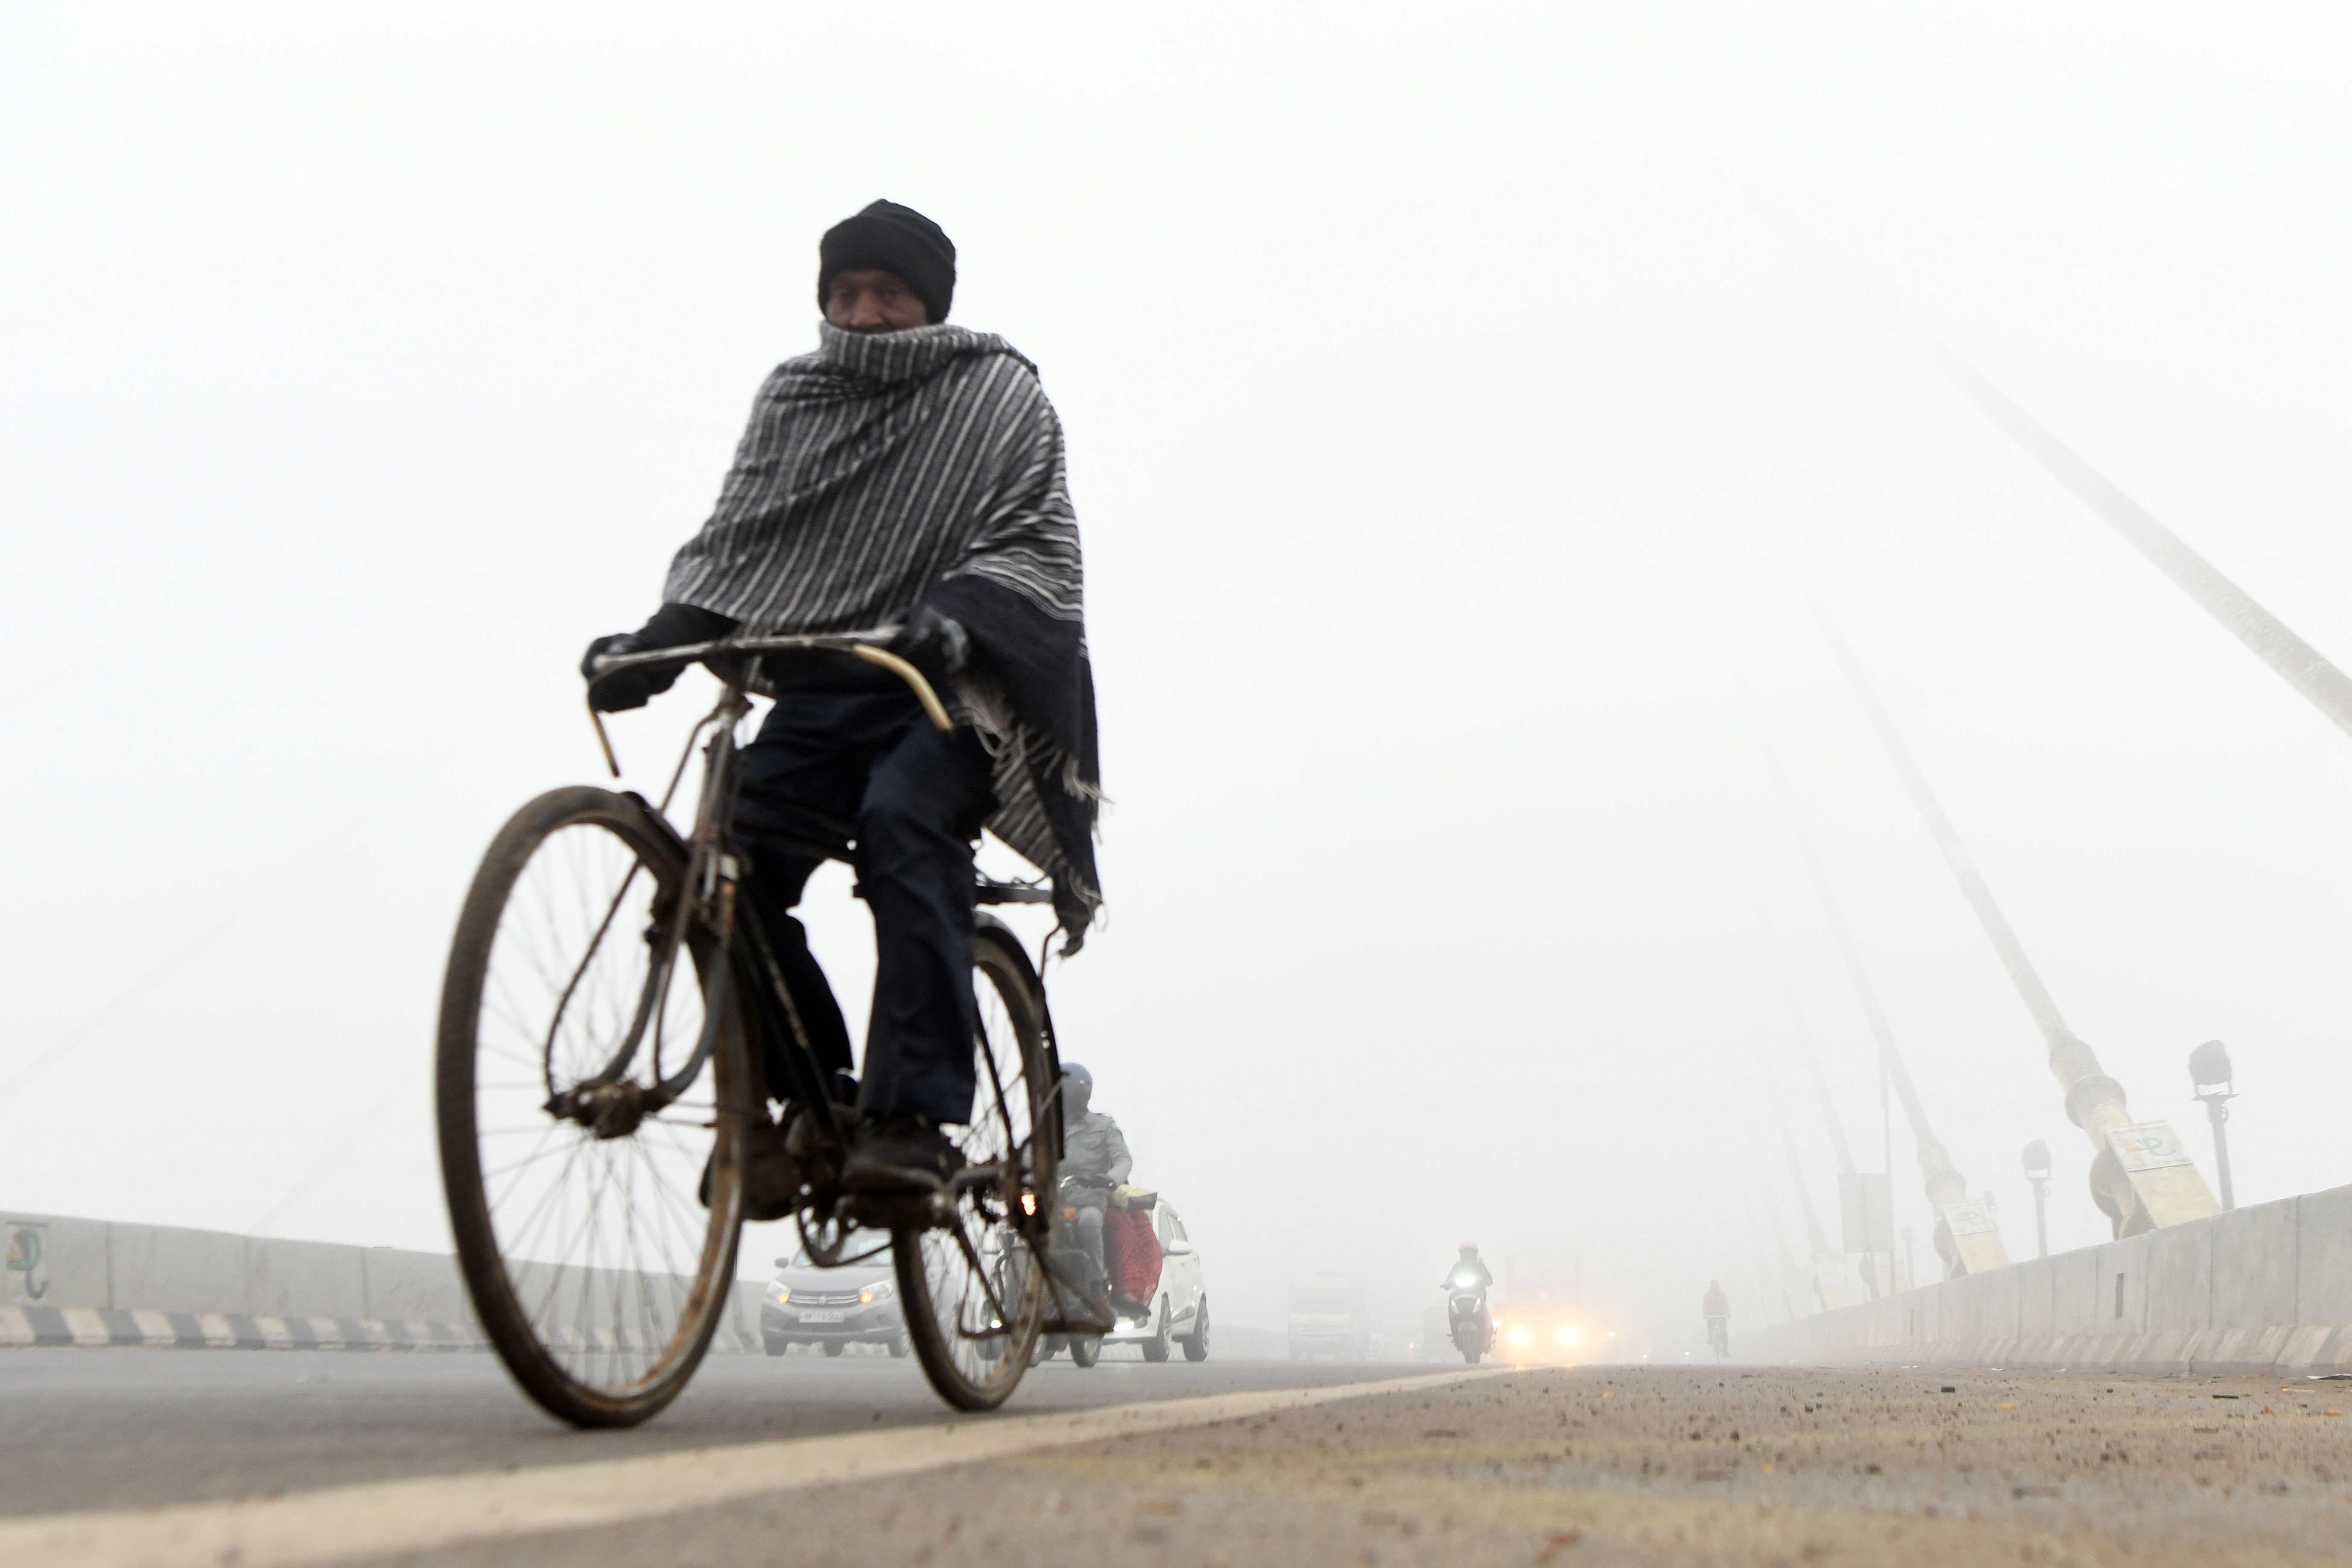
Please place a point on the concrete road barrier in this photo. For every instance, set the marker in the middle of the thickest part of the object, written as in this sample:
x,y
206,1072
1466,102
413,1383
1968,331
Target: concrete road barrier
x,y
72,1282
2261,1289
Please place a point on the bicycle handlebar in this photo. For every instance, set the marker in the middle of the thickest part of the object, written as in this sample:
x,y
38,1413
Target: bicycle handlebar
x,y
866,645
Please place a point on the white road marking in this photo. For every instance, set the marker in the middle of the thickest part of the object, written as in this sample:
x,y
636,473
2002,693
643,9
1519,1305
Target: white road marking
x,y
337,1523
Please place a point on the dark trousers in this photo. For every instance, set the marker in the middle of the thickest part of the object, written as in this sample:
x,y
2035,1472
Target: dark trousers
x,y
830,765
1089,1226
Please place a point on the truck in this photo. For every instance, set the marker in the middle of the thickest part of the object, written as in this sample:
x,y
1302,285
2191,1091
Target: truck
x,y
1328,1317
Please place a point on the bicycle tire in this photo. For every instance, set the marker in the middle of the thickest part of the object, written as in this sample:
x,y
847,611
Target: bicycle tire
x,y
972,1328
654,1281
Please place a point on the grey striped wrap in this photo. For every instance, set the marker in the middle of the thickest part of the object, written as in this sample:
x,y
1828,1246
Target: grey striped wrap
x,y
890,470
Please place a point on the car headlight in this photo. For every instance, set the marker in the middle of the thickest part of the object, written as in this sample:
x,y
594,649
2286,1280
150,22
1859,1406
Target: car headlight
x,y
1518,1336
1567,1336
880,1290
779,1293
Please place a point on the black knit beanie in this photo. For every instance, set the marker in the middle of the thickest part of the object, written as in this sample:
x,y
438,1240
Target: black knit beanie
x,y
901,242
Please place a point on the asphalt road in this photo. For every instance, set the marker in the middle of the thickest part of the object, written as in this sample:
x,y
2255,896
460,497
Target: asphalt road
x,y
101,1429
1554,1467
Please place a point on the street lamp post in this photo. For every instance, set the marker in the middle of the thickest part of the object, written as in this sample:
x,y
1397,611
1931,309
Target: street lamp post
x,y
2210,1076
2037,1171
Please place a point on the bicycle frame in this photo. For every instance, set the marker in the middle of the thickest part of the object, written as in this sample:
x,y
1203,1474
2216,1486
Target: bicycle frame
x,y
610,1100
707,901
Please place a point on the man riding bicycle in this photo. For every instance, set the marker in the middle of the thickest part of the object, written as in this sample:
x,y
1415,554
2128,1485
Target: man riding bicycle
x,y
1716,1307
907,473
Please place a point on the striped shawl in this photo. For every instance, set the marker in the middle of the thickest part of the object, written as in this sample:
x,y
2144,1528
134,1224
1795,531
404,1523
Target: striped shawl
x,y
890,471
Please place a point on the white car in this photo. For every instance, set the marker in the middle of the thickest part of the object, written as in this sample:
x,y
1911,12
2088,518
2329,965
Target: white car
x,y
1178,1313
833,1309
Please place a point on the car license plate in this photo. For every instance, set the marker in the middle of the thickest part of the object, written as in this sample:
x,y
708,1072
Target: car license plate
x,y
819,1317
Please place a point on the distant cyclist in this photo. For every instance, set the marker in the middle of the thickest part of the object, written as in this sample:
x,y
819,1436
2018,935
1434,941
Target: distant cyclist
x,y
1717,1308
907,473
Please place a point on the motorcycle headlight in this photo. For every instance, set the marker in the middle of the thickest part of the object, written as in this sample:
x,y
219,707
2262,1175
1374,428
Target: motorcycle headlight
x,y
879,1290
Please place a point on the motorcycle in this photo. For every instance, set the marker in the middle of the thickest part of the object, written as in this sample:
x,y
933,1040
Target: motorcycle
x,y
1081,1282
1468,1323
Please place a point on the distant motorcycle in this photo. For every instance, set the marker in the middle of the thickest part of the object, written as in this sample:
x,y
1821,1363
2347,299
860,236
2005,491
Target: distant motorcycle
x,y
1082,1280
1468,1323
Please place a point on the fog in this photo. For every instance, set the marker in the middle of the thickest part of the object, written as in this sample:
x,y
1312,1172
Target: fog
x,y
1466,408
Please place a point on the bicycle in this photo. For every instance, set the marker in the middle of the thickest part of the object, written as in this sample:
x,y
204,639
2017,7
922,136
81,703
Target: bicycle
x,y
1718,1337
599,1108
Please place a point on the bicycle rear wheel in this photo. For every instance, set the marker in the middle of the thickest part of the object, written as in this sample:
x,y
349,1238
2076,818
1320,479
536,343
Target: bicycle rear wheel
x,y
599,1246
974,1291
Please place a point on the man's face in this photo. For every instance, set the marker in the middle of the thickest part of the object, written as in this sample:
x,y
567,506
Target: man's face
x,y
868,300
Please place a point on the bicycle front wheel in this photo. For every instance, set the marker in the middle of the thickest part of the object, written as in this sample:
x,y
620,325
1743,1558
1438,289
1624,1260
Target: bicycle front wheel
x,y
974,1291
595,1187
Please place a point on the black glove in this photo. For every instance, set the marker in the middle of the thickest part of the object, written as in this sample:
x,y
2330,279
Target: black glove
x,y
627,689
672,626
934,644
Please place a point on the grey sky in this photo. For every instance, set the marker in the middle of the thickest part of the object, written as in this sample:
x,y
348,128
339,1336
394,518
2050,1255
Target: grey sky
x,y
1459,422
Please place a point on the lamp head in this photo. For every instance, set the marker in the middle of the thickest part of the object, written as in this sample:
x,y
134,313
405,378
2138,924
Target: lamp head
x,y
2037,1161
2209,1066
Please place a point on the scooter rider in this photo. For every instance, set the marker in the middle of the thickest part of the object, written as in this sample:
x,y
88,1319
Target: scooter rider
x,y
1469,1273
1469,1270
1094,1160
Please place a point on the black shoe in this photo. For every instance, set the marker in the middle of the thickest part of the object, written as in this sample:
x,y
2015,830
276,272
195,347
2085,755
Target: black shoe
x,y
899,1154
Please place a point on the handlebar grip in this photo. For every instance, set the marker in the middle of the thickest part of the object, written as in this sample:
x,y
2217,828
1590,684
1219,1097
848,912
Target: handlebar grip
x,y
884,659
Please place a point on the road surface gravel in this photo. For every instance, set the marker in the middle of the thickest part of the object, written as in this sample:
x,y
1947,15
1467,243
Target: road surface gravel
x,y
1608,1466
